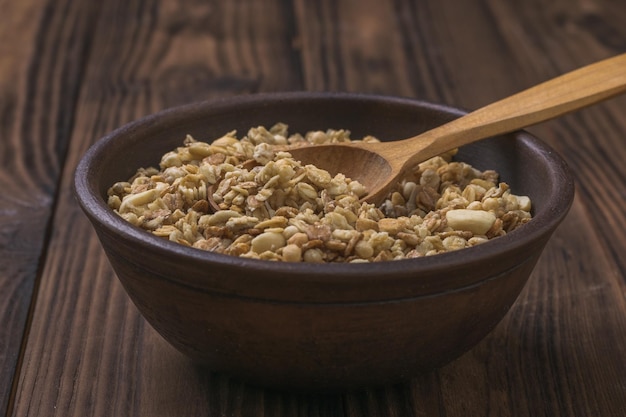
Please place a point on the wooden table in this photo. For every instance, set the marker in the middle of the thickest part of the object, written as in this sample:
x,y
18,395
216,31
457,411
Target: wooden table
x,y
71,342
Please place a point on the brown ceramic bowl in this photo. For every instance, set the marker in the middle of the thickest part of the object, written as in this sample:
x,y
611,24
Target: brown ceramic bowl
x,y
320,326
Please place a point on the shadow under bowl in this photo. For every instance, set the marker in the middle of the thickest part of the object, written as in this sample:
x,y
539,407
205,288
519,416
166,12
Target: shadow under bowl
x,y
313,326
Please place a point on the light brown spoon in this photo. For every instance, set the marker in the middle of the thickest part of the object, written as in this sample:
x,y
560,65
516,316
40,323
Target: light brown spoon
x,y
378,166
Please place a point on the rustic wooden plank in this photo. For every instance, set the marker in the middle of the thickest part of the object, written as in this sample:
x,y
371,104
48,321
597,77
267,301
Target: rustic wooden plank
x,y
18,259
351,46
38,91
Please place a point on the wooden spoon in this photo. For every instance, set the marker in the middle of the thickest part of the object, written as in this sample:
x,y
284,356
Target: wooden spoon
x,y
379,166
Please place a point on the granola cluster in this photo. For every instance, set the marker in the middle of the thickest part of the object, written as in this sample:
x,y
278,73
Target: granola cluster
x,y
278,209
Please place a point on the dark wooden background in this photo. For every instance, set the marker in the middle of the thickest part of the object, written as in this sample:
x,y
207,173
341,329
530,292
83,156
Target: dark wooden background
x,y
72,344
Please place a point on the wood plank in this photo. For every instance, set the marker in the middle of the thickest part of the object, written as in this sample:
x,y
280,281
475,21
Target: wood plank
x,y
37,95
351,46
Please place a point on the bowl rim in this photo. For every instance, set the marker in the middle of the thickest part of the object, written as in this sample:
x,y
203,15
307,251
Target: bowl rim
x,y
96,208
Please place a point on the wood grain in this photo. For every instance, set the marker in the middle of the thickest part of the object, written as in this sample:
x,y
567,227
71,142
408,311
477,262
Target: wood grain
x,y
72,71
38,92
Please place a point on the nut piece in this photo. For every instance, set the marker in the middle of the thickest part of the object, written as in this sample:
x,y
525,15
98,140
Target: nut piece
x,y
477,222
292,253
268,241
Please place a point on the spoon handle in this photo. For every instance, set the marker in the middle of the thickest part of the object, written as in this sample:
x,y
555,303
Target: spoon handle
x,y
566,93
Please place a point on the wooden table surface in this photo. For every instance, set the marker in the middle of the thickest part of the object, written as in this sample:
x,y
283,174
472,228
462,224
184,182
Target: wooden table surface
x,y
71,342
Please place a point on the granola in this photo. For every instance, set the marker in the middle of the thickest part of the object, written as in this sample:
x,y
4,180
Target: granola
x,y
279,209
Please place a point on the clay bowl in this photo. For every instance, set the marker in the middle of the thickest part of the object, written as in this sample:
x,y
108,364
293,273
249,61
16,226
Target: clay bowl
x,y
320,326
